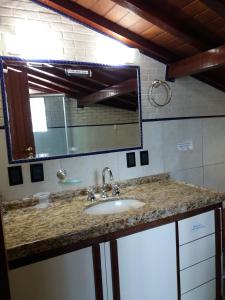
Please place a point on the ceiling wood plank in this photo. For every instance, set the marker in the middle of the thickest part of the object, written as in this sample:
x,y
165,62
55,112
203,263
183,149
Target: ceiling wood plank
x,y
109,28
102,25
116,90
216,5
198,63
180,25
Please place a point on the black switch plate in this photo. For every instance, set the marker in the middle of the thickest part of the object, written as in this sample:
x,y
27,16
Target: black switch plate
x,y
131,160
15,175
36,172
144,158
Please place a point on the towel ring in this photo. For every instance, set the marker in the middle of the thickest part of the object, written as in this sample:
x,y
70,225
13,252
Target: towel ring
x,y
155,84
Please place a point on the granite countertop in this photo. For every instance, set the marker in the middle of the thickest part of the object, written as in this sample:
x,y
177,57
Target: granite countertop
x,y
29,230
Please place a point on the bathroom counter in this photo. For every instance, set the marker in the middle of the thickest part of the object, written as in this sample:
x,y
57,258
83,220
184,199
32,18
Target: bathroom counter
x,y
30,231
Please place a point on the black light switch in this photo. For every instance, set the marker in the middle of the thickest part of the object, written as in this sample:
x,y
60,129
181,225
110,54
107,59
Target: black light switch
x,y
131,161
144,158
36,172
15,175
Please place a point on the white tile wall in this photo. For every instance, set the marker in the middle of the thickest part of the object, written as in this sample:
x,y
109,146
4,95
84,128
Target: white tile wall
x,y
153,142
179,132
193,176
204,165
214,141
27,188
214,176
88,169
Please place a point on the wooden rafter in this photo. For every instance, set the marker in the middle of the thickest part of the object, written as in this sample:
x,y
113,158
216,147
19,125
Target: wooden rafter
x,y
59,71
120,105
122,88
216,5
159,12
52,83
102,25
198,63
62,80
40,85
105,26
40,89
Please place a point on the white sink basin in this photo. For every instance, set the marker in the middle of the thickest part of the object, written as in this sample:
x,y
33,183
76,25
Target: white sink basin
x,y
113,206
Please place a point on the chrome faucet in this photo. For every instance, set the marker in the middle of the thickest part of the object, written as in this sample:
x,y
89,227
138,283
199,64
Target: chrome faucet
x,y
103,190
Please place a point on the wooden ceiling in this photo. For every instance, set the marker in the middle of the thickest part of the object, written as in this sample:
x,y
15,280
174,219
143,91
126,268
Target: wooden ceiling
x,y
116,87
167,30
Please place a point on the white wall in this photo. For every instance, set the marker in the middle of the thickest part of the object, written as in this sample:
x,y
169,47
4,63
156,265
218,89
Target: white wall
x,y
204,164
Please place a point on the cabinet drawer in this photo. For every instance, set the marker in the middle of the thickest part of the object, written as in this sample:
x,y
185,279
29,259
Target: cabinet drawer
x,y
204,292
197,251
193,228
197,275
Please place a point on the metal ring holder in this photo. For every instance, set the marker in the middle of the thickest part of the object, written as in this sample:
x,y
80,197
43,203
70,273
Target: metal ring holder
x,y
155,84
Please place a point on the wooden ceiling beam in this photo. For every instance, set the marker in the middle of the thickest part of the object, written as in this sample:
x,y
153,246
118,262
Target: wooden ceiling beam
x,y
216,5
198,63
40,89
81,82
51,76
50,86
119,105
122,88
109,28
53,83
173,20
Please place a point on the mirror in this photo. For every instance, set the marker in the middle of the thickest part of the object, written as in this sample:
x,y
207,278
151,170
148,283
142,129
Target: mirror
x,y
60,108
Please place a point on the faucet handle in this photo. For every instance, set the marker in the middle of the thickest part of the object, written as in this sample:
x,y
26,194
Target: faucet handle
x,y
115,190
91,194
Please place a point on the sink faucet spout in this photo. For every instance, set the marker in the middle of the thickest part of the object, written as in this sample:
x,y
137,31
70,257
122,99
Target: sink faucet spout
x,y
106,169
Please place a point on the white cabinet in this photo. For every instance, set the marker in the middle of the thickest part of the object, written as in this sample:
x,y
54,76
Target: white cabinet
x,y
199,274
197,248
65,277
206,291
147,264
141,265
196,227
197,251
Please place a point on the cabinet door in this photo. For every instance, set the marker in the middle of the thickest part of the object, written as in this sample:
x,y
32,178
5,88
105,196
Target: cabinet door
x,y
68,277
147,264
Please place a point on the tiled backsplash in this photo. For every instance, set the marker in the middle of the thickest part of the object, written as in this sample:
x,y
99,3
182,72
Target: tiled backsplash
x,y
203,163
